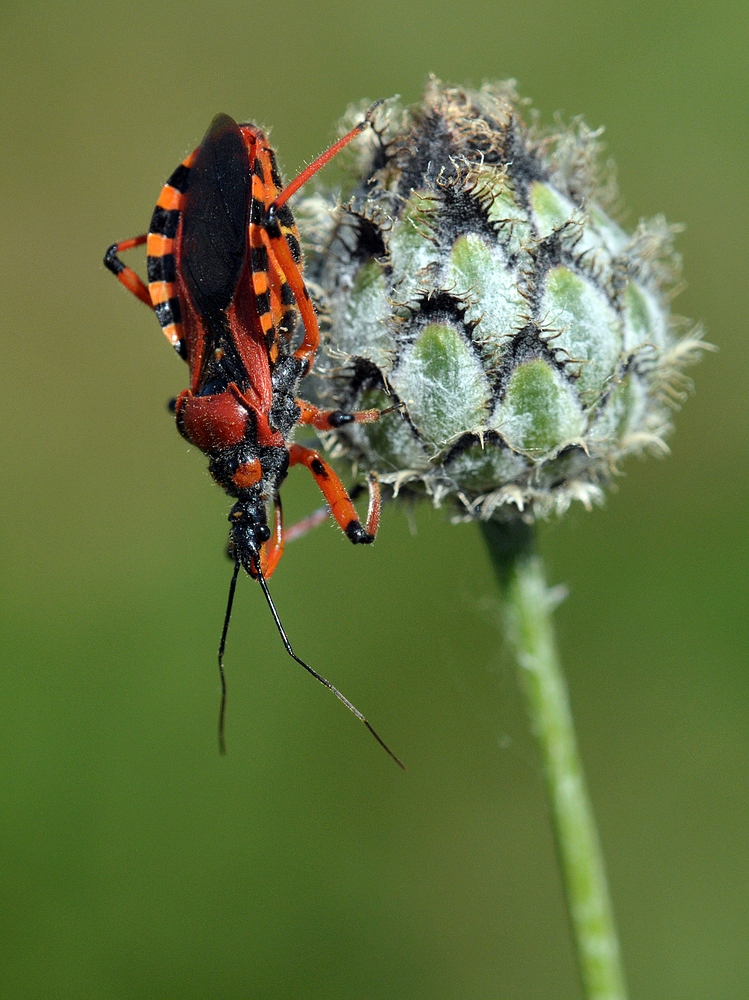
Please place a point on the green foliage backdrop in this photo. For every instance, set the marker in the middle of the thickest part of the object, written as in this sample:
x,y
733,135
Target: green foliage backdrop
x,y
137,863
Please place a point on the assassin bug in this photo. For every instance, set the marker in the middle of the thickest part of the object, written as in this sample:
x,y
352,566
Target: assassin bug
x,y
224,277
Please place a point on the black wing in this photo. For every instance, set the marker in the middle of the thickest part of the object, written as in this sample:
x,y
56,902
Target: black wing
x,y
215,217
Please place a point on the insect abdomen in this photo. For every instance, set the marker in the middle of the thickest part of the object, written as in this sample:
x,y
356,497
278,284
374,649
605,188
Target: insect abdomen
x,y
160,246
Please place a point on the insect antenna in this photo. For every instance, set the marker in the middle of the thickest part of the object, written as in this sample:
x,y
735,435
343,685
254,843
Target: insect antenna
x,y
318,677
221,648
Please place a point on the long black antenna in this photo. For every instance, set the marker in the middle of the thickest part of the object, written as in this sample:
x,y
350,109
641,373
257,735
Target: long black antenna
x,y
318,677
221,648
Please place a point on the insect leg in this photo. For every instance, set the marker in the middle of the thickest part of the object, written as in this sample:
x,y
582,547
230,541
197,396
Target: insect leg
x,y
317,517
124,274
338,499
308,348
321,160
272,550
307,524
330,420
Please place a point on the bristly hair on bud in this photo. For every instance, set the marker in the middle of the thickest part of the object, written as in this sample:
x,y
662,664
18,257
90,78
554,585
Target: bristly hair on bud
x,y
471,276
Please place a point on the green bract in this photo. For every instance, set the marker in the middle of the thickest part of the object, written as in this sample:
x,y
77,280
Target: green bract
x,y
473,276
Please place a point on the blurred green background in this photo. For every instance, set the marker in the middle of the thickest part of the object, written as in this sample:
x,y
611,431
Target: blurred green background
x,y
134,861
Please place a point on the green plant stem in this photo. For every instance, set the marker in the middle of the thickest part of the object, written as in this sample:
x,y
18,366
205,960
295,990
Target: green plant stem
x,y
527,607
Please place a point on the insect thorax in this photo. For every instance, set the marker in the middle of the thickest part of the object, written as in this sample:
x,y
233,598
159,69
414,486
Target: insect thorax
x,y
247,469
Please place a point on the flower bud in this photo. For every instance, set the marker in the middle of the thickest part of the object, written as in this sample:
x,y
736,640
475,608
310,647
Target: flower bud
x,y
475,279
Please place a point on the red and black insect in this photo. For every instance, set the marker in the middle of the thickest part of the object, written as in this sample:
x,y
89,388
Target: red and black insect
x,y
225,280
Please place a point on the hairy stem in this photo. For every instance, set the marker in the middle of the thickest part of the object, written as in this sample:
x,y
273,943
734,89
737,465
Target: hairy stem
x,y
527,607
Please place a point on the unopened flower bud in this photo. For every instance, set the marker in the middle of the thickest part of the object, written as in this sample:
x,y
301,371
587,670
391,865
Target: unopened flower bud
x,y
474,278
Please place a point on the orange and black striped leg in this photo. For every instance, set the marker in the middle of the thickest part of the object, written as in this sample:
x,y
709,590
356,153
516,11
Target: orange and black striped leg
x,y
126,275
272,550
330,420
316,518
281,251
338,499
